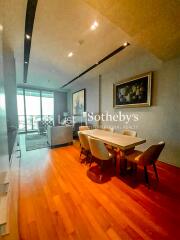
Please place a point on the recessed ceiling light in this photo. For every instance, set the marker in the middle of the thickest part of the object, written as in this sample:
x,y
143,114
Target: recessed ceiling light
x,y
70,54
94,26
28,36
125,44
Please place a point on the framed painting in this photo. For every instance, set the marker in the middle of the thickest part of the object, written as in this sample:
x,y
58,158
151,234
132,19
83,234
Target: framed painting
x,y
133,92
79,102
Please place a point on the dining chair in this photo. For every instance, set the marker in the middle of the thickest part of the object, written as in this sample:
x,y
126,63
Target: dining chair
x,y
84,144
146,158
100,152
83,128
129,132
111,129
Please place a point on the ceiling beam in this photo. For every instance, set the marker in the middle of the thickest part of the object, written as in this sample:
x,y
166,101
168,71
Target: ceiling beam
x,y
30,15
98,63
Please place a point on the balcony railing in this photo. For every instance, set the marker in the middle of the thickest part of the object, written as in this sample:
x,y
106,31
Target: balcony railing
x,y
32,121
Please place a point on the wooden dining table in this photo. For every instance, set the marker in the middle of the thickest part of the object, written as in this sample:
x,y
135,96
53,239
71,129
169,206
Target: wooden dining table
x,y
122,143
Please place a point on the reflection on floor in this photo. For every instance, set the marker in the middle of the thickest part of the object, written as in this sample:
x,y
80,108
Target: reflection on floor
x,y
35,141
59,201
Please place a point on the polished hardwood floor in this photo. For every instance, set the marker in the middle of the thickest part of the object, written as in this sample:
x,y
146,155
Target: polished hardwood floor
x,y
59,201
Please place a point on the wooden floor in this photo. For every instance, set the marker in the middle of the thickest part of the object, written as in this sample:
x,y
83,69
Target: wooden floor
x,y
59,201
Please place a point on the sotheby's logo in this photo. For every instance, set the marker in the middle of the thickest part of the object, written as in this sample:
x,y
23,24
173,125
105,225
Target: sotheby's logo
x,y
117,117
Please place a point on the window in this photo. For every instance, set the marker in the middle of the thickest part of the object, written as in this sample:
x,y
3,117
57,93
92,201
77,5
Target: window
x,y
47,105
33,106
21,109
33,109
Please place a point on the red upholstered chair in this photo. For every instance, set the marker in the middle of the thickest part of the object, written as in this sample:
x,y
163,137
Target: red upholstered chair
x,y
149,157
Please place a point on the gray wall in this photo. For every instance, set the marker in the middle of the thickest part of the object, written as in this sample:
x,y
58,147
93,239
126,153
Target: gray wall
x,y
92,93
92,97
10,90
60,105
156,123
161,121
4,161
10,93
9,72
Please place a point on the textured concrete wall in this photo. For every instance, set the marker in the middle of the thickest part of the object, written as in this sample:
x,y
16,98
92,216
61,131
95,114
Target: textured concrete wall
x,y
60,105
155,123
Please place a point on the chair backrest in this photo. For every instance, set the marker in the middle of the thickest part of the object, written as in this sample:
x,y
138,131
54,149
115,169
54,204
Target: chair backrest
x,y
151,154
82,128
98,149
108,129
129,132
84,141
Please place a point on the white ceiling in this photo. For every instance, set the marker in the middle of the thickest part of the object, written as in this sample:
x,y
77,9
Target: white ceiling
x,y
14,12
60,25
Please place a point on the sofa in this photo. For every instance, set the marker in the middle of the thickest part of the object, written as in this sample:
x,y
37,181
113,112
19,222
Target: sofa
x,y
43,125
59,135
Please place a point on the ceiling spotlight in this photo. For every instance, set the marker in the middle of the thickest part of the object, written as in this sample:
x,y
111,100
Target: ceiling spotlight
x,y
26,62
125,44
28,36
70,54
94,26
1,27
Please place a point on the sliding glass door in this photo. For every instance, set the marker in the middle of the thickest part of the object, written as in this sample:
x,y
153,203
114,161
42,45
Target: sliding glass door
x,y
33,109
21,110
34,106
47,106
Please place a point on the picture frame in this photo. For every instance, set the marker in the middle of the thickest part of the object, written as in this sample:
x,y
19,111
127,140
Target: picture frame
x,y
79,102
133,92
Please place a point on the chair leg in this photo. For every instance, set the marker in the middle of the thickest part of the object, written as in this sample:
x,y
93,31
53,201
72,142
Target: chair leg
x,y
155,170
80,152
100,165
114,164
135,168
90,159
102,169
146,175
82,160
86,156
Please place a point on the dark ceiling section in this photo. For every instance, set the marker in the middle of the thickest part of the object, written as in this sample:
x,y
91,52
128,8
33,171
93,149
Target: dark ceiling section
x,y
98,63
30,15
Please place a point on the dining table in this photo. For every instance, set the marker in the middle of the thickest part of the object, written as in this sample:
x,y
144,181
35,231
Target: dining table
x,y
121,143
